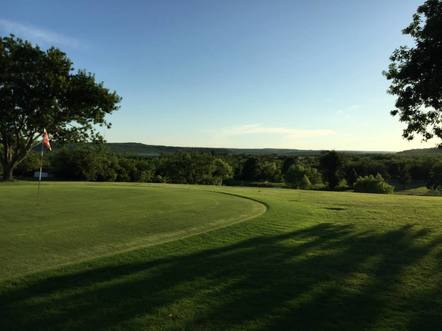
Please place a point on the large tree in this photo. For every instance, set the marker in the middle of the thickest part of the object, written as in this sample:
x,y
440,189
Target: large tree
x,y
40,89
416,74
332,165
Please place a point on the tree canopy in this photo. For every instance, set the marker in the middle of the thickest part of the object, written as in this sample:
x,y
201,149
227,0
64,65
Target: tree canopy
x,y
40,89
416,74
332,164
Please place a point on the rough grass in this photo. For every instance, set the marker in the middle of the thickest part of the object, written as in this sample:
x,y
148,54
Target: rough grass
x,y
313,261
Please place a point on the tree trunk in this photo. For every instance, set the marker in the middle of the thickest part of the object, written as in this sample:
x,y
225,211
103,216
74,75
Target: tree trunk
x,y
12,156
8,161
8,172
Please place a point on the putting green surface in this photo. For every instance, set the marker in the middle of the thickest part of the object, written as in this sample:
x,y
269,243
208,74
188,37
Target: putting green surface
x,y
75,221
178,257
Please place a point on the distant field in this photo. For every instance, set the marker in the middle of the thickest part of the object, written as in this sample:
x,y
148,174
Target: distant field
x,y
167,257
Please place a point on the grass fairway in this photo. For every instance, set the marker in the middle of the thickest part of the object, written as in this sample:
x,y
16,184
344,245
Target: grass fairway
x,y
310,261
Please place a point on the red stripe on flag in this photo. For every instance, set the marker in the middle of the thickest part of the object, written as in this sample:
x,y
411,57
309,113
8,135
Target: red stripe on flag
x,y
46,140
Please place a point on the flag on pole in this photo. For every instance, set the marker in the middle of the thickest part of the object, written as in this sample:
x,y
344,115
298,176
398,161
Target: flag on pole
x,y
45,141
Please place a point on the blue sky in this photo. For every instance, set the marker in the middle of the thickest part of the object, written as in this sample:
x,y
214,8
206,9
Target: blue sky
x,y
234,73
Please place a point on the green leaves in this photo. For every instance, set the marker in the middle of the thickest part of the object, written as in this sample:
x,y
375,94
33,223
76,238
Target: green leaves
x,y
416,74
39,89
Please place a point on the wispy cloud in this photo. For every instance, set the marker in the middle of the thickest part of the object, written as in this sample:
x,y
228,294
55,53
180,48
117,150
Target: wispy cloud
x,y
36,34
349,109
288,132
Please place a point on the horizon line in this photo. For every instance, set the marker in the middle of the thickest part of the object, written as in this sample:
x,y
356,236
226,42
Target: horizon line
x,y
268,148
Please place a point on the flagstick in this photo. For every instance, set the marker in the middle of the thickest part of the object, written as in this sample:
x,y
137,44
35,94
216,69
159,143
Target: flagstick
x,y
41,168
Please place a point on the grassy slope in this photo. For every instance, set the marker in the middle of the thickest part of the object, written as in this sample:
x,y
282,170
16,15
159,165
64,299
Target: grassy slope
x,y
313,261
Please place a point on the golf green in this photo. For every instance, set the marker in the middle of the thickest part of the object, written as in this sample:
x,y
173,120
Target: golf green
x,y
71,222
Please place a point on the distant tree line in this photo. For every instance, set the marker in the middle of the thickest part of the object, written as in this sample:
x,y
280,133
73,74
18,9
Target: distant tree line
x,y
331,170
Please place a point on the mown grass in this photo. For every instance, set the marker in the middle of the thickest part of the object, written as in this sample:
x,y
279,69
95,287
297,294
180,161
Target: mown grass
x,y
69,222
313,261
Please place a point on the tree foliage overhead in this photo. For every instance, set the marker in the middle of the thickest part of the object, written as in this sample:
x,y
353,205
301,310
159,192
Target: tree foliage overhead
x,y
40,89
416,74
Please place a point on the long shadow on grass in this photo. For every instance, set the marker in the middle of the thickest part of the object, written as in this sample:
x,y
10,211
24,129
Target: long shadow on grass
x,y
323,277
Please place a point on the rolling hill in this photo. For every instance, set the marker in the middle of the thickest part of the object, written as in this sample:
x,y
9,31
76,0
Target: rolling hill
x,y
140,149
423,152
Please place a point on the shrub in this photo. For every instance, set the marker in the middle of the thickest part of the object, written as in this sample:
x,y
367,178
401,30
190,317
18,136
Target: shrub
x,y
372,184
342,185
